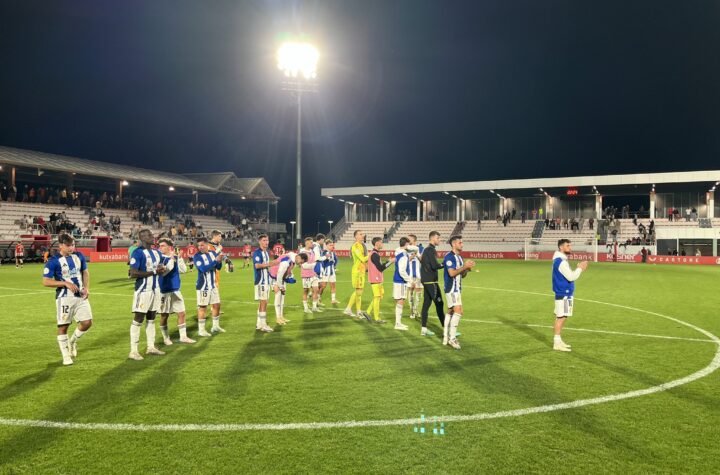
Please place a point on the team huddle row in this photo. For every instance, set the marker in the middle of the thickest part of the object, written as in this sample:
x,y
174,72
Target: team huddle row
x,y
157,270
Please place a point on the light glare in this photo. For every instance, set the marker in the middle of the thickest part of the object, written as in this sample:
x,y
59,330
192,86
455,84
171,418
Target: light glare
x,y
298,60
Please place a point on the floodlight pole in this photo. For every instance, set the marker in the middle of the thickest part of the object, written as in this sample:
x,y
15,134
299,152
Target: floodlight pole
x,y
298,190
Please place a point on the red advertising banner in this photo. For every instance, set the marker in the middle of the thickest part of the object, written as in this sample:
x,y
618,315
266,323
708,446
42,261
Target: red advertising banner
x,y
121,254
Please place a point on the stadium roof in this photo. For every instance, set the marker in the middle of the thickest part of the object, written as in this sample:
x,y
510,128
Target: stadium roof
x,y
226,182
631,184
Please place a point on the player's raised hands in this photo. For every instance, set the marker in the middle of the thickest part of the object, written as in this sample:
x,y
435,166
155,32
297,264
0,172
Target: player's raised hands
x,y
469,264
220,257
583,265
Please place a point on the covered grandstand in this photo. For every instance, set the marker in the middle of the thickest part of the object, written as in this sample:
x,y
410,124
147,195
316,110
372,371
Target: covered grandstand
x,y
102,202
667,213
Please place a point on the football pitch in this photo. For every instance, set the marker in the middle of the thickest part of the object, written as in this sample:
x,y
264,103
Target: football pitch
x,y
327,393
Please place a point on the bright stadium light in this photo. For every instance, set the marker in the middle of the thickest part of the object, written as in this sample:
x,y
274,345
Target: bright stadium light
x,y
172,188
298,60
125,183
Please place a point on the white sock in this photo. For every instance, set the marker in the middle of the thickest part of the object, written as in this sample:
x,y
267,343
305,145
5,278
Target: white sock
x,y
398,314
454,324
63,343
417,301
164,331
201,325
76,335
315,304
150,333
446,326
305,305
557,339
278,305
423,330
332,297
134,336
216,322
262,318
183,331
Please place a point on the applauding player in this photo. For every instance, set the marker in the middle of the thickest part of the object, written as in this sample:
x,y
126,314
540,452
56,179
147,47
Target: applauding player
x,y
172,300
455,271
208,263
563,279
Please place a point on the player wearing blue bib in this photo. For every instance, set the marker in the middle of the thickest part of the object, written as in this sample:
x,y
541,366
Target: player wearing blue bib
x,y
172,300
146,268
401,279
455,271
67,272
563,283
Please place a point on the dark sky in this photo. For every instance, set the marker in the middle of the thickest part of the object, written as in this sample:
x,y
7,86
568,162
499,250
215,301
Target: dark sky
x,y
410,91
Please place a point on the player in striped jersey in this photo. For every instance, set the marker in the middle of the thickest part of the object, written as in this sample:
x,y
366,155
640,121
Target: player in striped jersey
x,y
318,249
327,271
172,300
280,274
67,272
263,282
415,287
455,270
309,277
208,263
146,267
401,279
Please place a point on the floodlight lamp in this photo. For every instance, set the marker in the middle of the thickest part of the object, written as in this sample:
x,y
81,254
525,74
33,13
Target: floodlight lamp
x,y
298,60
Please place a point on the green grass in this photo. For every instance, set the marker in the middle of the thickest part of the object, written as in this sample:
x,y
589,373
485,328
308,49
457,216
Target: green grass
x,y
331,368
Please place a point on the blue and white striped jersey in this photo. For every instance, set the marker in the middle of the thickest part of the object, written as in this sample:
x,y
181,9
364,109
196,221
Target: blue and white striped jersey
x,y
206,267
67,269
452,261
414,270
262,276
146,260
329,265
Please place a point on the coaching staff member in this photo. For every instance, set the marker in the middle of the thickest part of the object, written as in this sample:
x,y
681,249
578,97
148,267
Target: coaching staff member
x,y
429,267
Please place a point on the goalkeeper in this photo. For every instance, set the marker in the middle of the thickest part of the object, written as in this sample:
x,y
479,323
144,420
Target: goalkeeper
x,y
359,254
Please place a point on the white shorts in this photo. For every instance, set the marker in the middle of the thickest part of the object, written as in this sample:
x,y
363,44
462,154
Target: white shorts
x,y
310,282
262,291
172,302
564,307
147,301
328,279
208,297
454,299
399,291
71,307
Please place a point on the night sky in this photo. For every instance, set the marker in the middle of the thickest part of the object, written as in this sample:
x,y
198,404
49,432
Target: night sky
x,y
410,91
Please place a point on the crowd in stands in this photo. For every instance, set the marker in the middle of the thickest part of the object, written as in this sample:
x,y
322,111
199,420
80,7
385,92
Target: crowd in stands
x,y
173,215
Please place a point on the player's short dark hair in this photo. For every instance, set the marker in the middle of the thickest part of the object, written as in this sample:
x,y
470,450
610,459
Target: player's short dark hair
x,y
215,232
308,238
433,233
319,236
413,236
303,256
377,239
355,233
144,231
563,241
66,239
403,241
135,241
202,239
167,241
329,241
454,238
262,236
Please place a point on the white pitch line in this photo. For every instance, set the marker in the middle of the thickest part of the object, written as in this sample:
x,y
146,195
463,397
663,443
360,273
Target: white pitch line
x,y
710,368
589,330
29,293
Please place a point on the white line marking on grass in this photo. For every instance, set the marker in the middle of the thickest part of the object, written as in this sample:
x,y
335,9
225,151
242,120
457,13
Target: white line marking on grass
x,y
710,368
589,330
29,293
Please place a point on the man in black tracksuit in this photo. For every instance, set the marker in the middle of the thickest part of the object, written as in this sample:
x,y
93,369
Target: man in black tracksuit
x,y
429,267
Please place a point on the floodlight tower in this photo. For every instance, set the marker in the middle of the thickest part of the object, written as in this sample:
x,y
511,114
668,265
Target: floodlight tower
x,y
298,62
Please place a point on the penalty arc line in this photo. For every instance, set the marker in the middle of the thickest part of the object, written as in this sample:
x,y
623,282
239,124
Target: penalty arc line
x,y
710,368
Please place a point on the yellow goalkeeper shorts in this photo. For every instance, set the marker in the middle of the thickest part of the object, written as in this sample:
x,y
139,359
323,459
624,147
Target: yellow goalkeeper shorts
x,y
358,280
378,290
